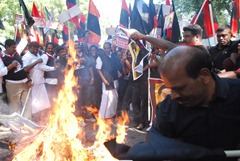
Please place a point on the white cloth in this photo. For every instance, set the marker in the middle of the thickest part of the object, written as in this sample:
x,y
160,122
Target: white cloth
x,y
108,107
40,100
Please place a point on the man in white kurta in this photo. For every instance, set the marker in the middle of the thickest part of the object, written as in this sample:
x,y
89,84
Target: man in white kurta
x,y
40,100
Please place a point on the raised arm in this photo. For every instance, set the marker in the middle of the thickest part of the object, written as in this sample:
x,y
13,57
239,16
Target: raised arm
x,y
160,43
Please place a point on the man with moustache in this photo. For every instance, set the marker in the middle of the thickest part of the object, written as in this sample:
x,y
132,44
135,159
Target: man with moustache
x,y
225,53
202,108
192,35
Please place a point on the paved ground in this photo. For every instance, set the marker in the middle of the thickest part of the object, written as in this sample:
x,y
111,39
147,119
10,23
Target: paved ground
x,y
133,136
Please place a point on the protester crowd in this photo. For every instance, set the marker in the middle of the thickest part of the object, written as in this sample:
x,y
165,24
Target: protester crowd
x,y
31,80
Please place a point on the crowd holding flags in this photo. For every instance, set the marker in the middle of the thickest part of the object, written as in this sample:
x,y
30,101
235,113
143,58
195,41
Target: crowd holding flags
x,y
143,17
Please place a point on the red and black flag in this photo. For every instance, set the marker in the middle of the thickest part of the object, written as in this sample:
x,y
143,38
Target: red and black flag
x,y
136,21
161,19
1,25
70,4
17,36
174,32
235,17
93,25
206,20
125,13
152,17
29,19
35,12
65,33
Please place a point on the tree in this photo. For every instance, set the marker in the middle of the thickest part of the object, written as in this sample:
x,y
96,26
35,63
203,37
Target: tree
x,y
8,9
222,8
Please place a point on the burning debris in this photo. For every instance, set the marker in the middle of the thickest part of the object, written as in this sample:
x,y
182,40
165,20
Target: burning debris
x,y
63,139
16,130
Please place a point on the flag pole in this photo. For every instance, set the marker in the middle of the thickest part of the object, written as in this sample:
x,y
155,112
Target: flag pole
x,y
15,35
69,31
199,12
212,23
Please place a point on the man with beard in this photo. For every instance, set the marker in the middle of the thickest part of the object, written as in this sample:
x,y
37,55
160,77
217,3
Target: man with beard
x,y
225,53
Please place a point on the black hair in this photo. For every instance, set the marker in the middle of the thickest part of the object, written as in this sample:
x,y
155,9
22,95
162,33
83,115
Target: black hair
x,y
195,29
10,42
108,43
94,46
49,43
33,44
59,48
222,28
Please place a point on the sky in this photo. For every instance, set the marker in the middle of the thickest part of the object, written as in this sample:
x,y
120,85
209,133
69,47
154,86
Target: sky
x,y
110,9
110,12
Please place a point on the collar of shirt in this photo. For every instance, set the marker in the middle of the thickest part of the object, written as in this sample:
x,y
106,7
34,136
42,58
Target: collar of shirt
x,y
222,88
11,56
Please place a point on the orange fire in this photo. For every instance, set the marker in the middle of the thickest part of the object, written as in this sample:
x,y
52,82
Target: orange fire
x,y
62,140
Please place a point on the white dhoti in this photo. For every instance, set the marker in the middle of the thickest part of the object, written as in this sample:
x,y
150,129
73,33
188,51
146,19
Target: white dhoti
x,y
108,107
40,100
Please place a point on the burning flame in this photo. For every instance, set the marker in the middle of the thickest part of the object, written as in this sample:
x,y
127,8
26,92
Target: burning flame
x,y
62,140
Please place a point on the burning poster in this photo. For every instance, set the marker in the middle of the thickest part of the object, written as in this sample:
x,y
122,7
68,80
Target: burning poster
x,y
157,92
139,53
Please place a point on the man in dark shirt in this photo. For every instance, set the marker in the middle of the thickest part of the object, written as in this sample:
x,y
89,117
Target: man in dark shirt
x,y
225,53
17,82
202,109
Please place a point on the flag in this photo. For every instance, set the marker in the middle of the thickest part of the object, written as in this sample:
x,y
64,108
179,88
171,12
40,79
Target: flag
x,y
50,15
152,16
29,19
168,2
164,10
93,25
1,25
203,18
174,33
124,16
139,52
81,28
235,17
35,12
158,147
17,36
136,21
41,12
70,4
65,33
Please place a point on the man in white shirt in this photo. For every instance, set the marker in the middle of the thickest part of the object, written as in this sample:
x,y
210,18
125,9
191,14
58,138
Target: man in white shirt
x,y
40,100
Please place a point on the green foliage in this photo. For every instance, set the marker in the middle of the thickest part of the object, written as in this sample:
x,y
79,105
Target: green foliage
x,y
222,9
8,9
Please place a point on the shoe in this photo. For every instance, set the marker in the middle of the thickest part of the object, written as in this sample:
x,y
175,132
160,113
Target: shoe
x,y
91,120
140,126
82,124
135,124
